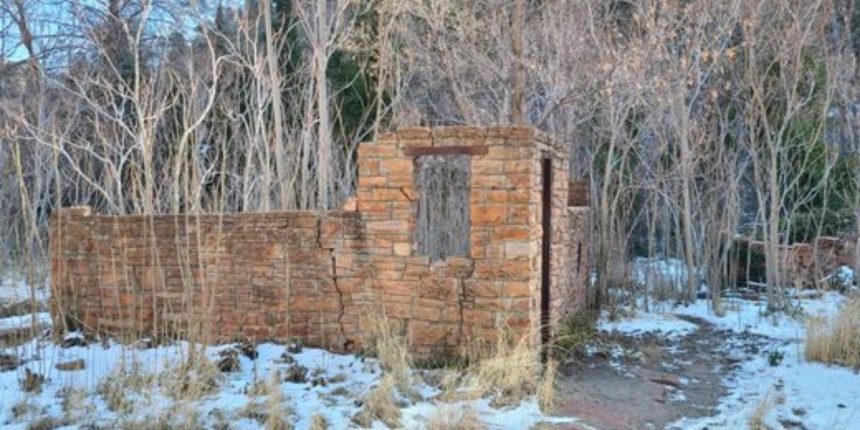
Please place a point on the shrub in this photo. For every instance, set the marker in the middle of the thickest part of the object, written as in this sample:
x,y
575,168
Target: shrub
x,y
576,333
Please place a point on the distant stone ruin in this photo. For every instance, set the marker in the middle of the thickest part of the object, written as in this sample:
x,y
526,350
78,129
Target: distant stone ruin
x,y
321,276
803,264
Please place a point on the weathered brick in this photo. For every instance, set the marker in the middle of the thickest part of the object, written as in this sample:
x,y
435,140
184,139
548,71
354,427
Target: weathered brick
x,y
489,214
487,167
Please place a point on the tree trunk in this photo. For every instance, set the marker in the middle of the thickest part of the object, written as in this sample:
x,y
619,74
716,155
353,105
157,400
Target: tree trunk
x,y
518,71
324,157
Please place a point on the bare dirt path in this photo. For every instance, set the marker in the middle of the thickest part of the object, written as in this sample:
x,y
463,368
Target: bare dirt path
x,y
651,381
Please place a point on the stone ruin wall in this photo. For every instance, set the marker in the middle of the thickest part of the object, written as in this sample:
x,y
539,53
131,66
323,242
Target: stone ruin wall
x,y
259,276
321,276
806,264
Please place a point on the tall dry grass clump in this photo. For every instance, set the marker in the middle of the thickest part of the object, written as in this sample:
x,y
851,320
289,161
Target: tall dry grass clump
x,y
511,372
389,346
835,340
277,413
545,391
384,341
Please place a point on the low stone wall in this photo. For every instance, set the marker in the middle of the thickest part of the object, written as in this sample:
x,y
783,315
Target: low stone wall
x,y
264,276
320,276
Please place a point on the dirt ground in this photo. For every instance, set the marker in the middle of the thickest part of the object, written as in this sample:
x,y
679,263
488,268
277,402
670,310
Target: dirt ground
x,y
650,382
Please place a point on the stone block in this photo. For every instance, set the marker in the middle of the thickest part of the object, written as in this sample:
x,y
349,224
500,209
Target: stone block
x,y
489,214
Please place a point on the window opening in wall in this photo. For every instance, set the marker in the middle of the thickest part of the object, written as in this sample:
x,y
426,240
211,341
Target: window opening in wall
x,y
442,227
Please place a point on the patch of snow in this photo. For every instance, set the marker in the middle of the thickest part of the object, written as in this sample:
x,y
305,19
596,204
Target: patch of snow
x,y
842,278
750,316
14,289
826,395
24,321
663,323
671,271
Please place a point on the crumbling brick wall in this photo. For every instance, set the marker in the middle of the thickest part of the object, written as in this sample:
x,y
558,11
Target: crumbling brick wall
x,y
320,276
263,276
803,264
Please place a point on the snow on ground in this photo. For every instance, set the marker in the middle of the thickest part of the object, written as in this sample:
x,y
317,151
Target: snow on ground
x,y
793,390
746,315
348,378
14,289
793,393
663,323
669,269
21,322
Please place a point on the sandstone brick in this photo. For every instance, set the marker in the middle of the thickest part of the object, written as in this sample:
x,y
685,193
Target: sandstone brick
x,y
458,132
426,333
520,166
398,310
478,318
517,289
387,226
489,214
397,194
489,181
440,289
511,232
414,133
494,196
376,151
519,214
520,180
396,167
428,313
369,183
520,249
351,204
487,167
402,249
502,153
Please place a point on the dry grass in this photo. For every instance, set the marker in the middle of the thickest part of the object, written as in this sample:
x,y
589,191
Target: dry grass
x,y
114,387
32,382
390,348
509,375
546,388
318,422
277,413
836,340
380,404
757,419
194,378
75,405
22,408
454,418
45,423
